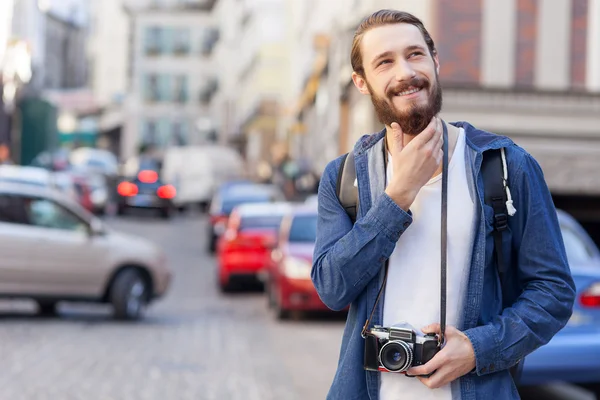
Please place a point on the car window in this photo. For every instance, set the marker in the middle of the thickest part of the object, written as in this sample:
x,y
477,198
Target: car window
x,y
260,222
303,229
48,214
12,210
577,249
229,204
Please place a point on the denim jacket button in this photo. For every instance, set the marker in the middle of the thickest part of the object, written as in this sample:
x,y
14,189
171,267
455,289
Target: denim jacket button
x,y
483,370
492,368
406,224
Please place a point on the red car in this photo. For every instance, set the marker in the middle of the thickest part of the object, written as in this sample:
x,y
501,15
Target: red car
x,y
289,287
244,250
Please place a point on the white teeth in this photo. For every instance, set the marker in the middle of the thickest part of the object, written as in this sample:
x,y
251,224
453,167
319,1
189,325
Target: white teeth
x,y
410,91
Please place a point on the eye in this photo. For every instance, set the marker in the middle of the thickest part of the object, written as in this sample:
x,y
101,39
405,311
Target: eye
x,y
415,53
385,61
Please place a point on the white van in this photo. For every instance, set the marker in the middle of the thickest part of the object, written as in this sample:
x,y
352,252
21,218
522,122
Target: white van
x,y
197,171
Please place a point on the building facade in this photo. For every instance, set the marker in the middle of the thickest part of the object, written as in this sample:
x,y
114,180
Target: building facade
x,y
171,77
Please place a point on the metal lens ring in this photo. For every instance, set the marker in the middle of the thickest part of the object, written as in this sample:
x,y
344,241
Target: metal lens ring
x,y
396,356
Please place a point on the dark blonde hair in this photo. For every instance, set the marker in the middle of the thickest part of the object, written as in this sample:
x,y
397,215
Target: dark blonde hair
x,y
381,18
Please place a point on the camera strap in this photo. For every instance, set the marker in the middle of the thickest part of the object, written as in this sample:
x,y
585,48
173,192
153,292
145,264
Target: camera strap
x,y
444,244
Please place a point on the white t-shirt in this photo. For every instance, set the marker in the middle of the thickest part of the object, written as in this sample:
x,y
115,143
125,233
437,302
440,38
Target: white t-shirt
x,y
412,293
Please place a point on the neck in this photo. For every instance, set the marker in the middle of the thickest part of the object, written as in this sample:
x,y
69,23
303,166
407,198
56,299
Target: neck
x,y
452,138
391,143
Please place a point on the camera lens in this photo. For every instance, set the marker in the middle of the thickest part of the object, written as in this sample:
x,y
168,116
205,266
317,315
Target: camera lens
x,y
396,356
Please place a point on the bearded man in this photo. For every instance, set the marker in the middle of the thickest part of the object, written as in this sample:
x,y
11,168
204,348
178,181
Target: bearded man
x,y
386,264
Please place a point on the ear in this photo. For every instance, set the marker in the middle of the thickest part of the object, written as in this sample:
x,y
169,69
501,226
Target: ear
x,y
436,61
360,83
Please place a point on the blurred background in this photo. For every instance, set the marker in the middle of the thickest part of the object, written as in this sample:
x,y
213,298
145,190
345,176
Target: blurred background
x,y
160,158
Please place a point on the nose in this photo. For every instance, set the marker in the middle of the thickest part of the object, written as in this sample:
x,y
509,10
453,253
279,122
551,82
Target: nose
x,y
404,71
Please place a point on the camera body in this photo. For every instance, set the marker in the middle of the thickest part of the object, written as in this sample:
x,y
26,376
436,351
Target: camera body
x,y
398,348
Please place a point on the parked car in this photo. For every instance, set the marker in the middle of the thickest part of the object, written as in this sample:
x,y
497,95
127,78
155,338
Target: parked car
x,y
146,190
287,282
61,181
230,196
244,251
53,250
103,167
573,355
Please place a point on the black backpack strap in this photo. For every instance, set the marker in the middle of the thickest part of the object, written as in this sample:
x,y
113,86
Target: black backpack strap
x,y
346,192
492,169
495,197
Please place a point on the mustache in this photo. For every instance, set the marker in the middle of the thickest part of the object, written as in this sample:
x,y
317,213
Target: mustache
x,y
416,82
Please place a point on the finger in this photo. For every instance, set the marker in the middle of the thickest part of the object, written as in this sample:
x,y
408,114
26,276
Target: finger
x,y
437,380
432,328
431,366
427,134
398,137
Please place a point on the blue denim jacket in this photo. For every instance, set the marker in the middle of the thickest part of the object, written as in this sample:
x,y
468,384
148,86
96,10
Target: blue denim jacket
x,y
503,322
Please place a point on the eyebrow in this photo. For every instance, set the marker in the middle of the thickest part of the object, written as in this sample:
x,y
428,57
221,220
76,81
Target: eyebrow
x,y
380,56
391,54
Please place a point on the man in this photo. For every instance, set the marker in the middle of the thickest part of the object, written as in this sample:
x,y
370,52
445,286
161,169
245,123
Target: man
x,y
491,326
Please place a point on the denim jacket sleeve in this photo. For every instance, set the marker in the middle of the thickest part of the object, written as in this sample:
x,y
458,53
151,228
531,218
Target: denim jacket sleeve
x,y
347,256
546,301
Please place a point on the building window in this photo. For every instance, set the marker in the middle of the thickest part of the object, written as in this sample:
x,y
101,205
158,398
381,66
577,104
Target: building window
x,y
210,87
151,92
180,93
153,41
156,133
181,41
179,133
157,88
150,133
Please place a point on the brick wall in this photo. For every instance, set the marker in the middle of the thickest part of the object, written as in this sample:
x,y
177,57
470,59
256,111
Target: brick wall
x,y
527,11
579,43
459,40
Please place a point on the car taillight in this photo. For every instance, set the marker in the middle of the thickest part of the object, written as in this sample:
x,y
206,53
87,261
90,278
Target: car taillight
x,y
591,296
127,189
148,176
166,192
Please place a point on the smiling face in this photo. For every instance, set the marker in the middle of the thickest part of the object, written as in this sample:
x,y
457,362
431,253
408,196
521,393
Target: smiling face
x,y
401,76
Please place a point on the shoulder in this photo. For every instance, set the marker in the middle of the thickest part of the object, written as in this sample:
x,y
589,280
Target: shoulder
x,y
330,174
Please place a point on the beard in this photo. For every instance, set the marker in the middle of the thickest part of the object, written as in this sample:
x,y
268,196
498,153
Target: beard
x,y
414,119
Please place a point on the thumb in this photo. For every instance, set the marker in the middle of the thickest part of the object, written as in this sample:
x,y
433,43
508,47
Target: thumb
x,y
397,137
432,328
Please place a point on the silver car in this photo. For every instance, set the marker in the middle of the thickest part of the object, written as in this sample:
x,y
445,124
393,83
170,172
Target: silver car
x,y
53,250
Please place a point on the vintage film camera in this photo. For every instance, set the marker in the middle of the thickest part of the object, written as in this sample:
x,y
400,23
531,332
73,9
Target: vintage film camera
x,y
398,348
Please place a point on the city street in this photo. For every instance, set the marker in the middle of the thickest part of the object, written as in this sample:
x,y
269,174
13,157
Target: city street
x,y
194,344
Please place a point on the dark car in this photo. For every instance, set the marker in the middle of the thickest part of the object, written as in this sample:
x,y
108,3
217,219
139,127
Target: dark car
x,y
230,196
146,191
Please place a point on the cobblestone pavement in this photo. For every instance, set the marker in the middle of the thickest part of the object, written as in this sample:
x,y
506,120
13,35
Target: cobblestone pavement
x,y
194,344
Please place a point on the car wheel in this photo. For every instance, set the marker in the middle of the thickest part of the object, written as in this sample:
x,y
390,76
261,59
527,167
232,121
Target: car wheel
x,y
165,213
270,296
280,312
212,244
129,295
46,307
594,388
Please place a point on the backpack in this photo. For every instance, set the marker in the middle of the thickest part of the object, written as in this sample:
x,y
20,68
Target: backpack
x,y
496,193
